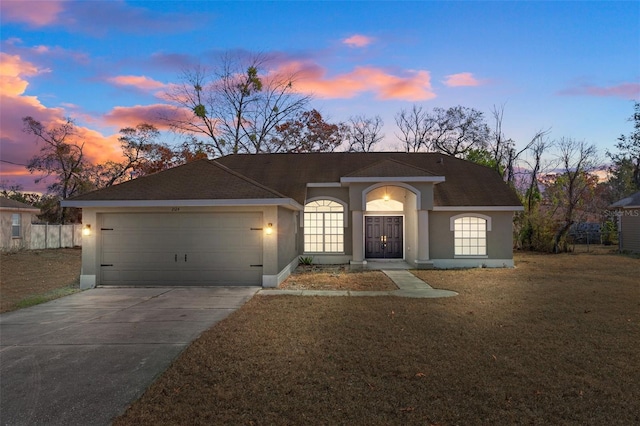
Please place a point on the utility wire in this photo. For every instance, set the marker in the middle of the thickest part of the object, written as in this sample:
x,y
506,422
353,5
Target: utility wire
x,y
11,162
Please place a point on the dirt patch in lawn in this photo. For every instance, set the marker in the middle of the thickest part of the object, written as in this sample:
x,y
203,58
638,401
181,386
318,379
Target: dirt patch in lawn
x,y
336,277
30,277
554,341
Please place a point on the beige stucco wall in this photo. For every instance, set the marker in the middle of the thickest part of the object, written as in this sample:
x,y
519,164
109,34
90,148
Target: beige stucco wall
x,y
630,229
7,241
499,239
410,228
287,237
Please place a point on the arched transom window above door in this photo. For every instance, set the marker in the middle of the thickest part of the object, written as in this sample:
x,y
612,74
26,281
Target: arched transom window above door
x,y
323,227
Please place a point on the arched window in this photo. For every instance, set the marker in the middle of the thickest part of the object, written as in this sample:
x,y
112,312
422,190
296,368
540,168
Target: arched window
x,y
470,236
323,227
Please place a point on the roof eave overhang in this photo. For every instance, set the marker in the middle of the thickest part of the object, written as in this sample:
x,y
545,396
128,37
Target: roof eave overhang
x,y
618,207
433,179
478,208
19,210
288,203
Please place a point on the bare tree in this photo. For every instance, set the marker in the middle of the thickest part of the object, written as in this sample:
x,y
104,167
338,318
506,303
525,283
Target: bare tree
x,y
238,105
364,132
577,160
414,126
60,156
456,130
135,144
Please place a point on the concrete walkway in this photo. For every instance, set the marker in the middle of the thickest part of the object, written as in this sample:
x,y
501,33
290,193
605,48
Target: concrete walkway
x,y
82,359
408,286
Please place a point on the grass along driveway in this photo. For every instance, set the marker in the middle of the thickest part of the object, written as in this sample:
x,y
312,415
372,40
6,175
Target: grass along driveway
x,y
29,277
554,341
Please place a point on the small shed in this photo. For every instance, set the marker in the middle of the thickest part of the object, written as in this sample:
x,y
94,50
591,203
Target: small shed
x,y
628,214
15,224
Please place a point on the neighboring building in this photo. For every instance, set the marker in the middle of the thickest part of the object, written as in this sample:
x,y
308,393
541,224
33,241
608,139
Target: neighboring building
x,y
628,213
15,224
245,219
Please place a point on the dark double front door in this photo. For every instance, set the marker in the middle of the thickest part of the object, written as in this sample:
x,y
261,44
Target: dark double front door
x,y
383,237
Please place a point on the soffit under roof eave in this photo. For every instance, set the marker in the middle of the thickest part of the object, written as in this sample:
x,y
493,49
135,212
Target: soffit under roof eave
x,y
288,203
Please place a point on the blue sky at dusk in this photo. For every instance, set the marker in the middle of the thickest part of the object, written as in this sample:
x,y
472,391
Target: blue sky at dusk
x,y
573,67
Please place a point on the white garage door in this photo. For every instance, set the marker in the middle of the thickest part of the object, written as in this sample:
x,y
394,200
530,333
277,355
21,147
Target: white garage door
x,y
181,249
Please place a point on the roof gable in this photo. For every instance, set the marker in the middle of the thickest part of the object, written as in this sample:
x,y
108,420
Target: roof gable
x,y
390,168
466,183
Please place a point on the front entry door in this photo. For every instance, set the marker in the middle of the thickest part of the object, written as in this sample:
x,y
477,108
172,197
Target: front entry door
x,y
383,237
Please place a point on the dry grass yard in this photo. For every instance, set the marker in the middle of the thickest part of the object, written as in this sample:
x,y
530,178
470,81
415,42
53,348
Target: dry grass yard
x,y
30,277
554,341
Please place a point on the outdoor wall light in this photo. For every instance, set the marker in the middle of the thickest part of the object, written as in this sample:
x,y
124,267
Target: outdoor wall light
x,y
269,229
86,230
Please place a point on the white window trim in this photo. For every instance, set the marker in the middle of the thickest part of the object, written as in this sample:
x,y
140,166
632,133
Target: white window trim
x,y
344,222
452,221
19,225
345,210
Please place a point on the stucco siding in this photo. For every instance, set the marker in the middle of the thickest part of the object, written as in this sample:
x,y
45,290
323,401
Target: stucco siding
x,y
499,239
341,194
287,250
7,240
410,229
630,227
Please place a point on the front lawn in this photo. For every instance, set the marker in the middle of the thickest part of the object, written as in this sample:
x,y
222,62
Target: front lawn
x,y
30,277
554,341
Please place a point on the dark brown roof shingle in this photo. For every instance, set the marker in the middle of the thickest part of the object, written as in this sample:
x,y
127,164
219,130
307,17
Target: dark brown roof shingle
x,y
8,203
199,180
259,176
466,183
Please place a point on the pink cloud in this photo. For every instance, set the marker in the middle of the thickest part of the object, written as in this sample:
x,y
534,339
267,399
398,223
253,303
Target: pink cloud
x,y
12,70
311,78
155,114
60,52
35,13
138,81
19,147
461,79
624,90
358,40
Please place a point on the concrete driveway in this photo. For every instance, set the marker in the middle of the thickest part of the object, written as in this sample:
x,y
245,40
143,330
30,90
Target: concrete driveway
x,y
82,359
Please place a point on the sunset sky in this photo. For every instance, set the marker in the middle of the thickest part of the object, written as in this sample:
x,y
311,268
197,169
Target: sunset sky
x,y
573,67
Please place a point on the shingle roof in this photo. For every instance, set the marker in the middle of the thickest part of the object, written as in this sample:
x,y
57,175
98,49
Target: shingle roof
x,y
466,183
8,203
632,200
259,176
199,180
389,168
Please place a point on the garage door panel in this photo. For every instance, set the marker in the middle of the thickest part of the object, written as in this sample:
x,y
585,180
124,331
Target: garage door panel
x,y
221,260
181,249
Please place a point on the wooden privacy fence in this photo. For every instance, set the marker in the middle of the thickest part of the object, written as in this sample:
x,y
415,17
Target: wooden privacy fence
x,y
55,236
